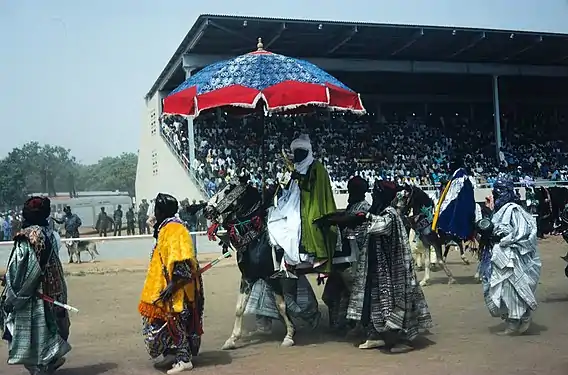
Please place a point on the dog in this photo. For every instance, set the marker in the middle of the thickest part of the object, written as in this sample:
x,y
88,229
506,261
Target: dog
x,y
75,248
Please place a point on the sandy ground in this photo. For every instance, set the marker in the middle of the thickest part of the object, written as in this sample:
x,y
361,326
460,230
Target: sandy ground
x,y
106,333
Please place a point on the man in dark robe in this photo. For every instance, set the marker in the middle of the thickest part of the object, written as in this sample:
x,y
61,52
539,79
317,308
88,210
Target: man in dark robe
x,y
386,298
36,330
338,285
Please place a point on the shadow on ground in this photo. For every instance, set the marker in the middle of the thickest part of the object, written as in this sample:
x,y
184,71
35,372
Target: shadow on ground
x,y
99,368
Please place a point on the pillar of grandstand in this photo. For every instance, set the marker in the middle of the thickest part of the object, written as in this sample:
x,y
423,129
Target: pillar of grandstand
x,y
463,88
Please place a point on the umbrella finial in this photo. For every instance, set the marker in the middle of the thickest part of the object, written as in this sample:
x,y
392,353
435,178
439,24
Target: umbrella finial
x,y
259,45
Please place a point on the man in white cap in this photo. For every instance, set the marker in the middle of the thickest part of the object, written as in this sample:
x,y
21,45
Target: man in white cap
x,y
309,196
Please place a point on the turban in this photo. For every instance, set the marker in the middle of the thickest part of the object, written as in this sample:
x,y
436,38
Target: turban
x,y
357,188
166,205
36,211
357,185
302,142
503,193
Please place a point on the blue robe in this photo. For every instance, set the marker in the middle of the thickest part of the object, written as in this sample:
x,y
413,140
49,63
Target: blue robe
x,y
455,212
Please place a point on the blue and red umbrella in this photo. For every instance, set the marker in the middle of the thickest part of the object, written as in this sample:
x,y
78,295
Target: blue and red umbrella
x,y
282,83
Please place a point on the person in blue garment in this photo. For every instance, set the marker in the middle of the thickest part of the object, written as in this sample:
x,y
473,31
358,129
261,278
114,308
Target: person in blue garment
x,y
455,211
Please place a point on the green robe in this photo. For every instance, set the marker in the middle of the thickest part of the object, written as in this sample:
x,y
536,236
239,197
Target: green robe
x,y
316,200
35,337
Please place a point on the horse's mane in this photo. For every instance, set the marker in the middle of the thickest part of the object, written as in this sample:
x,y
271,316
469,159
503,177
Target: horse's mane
x,y
422,198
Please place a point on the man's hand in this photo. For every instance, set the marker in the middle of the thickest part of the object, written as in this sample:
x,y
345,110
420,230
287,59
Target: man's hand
x,y
356,220
296,175
167,293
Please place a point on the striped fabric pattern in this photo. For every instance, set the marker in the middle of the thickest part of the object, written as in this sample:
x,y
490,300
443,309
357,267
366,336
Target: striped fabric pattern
x,y
511,280
262,302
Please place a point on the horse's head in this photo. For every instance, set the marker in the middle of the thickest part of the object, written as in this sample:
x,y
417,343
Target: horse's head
x,y
411,200
236,200
403,199
238,208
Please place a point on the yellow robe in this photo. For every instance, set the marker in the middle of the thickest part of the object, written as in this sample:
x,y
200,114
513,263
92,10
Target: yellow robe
x,y
174,245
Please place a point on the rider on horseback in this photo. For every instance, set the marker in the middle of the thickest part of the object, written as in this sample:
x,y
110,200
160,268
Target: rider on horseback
x,y
455,212
309,197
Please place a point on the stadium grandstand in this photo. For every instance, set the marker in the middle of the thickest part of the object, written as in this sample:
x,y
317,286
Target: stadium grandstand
x,y
494,97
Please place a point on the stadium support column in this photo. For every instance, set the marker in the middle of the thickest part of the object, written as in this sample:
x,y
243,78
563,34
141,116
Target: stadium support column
x,y
497,115
190,130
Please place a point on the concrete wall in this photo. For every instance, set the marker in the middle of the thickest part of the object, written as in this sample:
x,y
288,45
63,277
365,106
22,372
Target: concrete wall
x,y
480,194
159,169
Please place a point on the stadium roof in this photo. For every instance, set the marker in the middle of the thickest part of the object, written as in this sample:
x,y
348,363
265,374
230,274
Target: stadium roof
x,y
235,35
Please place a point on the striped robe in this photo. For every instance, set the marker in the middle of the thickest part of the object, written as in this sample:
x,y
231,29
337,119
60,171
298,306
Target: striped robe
x,y
386,295
513,270
305,306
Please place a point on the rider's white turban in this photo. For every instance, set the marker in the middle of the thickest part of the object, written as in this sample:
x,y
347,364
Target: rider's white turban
x,y
302,142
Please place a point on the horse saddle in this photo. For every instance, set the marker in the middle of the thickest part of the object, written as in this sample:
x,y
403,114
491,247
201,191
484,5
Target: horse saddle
x,y
423,225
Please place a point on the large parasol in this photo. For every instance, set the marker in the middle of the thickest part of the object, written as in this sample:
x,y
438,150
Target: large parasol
x,y
280,83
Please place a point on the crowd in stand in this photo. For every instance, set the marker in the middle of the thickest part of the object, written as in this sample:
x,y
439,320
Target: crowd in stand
x,y
404,148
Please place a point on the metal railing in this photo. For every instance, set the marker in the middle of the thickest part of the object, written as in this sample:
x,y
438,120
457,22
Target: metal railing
x,y
116,238
184,161
537,183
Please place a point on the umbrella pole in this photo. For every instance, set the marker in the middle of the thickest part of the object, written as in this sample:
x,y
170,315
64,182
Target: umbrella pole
x,y
263,153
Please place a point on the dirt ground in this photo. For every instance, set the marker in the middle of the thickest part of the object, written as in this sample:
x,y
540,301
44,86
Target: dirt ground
x,y
106,333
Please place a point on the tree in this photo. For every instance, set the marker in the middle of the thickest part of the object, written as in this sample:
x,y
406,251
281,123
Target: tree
x,y
44,166
12,181
110,173
36,168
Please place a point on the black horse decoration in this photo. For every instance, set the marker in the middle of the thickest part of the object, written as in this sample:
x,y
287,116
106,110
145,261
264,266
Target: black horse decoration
x,y
239,209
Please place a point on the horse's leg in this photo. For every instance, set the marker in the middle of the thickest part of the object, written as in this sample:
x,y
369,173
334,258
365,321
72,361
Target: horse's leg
x,y
446,250
463,256
78,253
281,305
425,250
244,294
438,247
416,253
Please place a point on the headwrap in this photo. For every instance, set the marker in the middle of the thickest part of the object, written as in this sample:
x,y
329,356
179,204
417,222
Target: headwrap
x,y
36,211
503,193
167,205
384,193
357,187
303,142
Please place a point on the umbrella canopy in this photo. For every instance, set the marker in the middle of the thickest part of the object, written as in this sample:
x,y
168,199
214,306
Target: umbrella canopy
x,y
282,83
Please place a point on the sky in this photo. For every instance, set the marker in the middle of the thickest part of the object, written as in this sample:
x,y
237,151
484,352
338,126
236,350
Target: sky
x,y
74,73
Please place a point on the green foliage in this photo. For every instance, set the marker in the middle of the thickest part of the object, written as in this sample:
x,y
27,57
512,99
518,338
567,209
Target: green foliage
x,y
36,168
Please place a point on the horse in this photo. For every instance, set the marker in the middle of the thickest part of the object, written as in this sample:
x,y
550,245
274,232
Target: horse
x,y
551,202
417,208
240,209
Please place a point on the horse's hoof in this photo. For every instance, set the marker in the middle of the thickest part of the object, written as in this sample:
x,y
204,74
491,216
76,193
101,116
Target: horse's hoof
x,y
424,282
452,281
229,345
287,342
